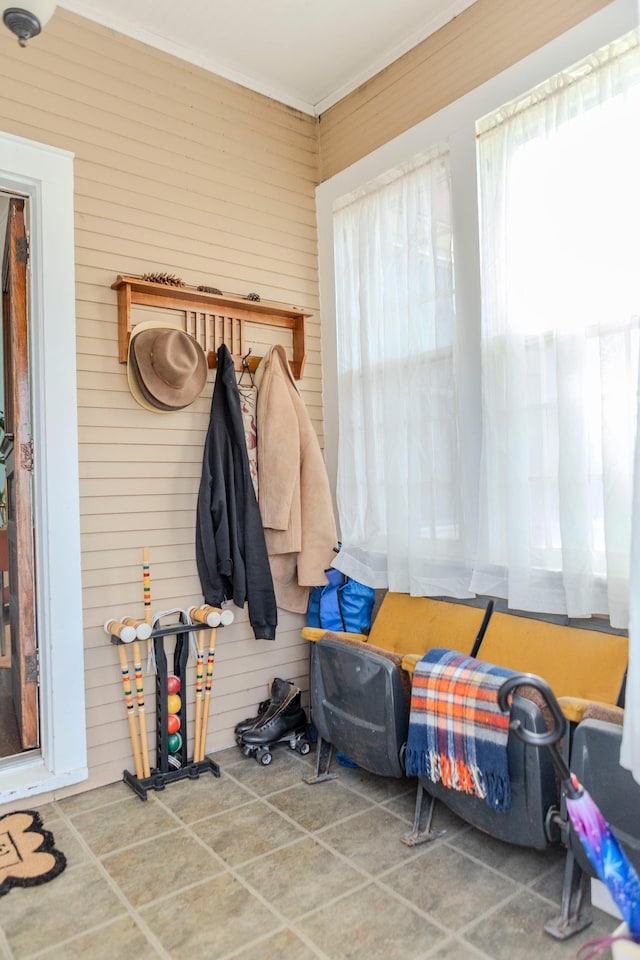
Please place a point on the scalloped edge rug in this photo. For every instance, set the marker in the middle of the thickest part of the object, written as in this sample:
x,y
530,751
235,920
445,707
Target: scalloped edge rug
x,y
27,853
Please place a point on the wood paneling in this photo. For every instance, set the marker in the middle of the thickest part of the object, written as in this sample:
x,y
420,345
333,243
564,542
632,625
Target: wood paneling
x,y
483,40
180,171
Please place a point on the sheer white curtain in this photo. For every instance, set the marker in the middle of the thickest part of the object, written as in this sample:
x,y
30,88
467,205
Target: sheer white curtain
x,y
560,266
398,488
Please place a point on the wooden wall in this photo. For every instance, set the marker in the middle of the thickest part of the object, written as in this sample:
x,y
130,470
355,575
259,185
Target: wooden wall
x,y
483,40
180,171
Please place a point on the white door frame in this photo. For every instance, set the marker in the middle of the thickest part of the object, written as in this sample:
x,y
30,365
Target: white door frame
x,y
45,175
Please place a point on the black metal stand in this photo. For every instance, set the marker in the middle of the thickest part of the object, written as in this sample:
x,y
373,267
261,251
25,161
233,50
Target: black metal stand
x,y
421,831
324,752
179,767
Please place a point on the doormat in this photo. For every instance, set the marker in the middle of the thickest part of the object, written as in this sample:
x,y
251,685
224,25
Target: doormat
x,y
27,853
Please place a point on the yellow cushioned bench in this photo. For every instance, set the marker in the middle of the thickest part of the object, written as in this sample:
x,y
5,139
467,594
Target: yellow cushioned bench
x,y
580,665
407,624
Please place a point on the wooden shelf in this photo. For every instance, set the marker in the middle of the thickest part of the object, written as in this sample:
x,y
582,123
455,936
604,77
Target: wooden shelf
x,y
211,318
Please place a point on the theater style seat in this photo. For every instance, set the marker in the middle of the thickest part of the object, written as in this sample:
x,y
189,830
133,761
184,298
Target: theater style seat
x,y
359,685
583,667
359,689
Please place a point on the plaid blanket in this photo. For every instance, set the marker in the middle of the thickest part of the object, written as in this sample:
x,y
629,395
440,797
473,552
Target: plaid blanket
x,y
457,732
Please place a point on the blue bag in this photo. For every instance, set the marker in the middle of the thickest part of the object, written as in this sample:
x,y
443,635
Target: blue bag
x,y
342,604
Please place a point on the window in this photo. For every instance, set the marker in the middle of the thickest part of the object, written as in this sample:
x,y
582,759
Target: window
x,y
559,208
398,472
528,381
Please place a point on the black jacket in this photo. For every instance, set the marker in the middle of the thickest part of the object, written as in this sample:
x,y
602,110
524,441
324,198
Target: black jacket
x,y
230,547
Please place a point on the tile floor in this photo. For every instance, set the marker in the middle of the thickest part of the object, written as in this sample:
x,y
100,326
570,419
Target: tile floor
x,y
258,865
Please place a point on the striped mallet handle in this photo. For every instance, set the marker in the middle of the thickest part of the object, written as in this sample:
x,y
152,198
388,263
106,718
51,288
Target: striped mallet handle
x,y
128,698
146,584
142,721
214,617
207,694
146,590
211,616
143,632
199,678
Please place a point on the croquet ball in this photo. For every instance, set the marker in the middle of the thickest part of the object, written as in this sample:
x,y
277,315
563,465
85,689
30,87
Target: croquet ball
x,y
173,723
174,703
174,742
173,684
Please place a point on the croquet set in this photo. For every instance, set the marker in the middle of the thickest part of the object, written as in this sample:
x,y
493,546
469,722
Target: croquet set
x,y
172,721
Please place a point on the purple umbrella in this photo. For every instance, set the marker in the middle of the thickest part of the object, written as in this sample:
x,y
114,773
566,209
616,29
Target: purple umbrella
x,y
601,847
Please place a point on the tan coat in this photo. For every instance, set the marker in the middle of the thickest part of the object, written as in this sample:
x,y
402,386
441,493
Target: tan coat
x,y
294,495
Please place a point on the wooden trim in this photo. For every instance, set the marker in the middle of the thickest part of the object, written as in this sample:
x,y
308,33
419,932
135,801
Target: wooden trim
x,y
209,317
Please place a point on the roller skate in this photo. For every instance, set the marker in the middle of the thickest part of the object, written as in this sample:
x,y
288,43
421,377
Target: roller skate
x,y
250,722
279,688
283,720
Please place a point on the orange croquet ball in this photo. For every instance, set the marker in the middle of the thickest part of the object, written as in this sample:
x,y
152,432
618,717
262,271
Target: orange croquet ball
x,y
173,723
173,703
173,684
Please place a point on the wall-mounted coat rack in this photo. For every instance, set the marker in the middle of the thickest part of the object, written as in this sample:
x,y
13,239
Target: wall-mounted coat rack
x,y
210,317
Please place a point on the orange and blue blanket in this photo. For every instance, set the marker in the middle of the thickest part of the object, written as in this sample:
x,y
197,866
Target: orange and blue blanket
x,y
457,732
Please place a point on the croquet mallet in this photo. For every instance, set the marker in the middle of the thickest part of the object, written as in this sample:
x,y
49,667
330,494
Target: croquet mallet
x,y
143,632
126,634
211,616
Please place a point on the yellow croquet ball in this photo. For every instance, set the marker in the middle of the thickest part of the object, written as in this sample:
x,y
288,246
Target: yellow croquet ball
x,y
174,703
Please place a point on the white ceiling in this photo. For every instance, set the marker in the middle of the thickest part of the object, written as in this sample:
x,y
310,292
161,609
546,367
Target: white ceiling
x,y
306,54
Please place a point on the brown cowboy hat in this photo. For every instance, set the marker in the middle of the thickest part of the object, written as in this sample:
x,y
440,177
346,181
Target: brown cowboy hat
x,y
166,367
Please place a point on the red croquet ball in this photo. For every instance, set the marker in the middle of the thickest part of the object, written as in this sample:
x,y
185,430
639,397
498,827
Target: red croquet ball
x,y
173,723
173,684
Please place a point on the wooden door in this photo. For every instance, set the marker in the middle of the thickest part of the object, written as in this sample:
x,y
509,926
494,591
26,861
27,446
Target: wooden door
x,y
17,448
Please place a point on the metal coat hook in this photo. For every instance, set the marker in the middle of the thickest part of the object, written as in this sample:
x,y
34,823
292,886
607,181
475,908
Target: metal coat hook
x,y
246,368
